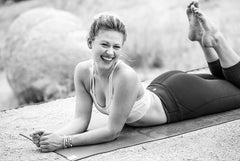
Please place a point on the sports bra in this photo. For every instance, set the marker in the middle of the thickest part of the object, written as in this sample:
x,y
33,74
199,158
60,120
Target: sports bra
x,y
139,108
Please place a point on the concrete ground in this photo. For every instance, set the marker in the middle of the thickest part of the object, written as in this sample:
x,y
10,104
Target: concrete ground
x,y
218,143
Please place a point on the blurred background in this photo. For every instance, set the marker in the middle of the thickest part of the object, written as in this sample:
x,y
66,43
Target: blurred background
x,y
41,41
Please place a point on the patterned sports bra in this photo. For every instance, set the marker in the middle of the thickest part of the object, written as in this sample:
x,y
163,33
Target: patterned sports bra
x,y
139,109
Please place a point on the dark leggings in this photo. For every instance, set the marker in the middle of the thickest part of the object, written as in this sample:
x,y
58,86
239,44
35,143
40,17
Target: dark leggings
x,y
185,96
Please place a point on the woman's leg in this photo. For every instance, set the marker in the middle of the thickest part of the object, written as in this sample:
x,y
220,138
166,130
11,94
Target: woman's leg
x,y
196,32
229,59
211,39
186,96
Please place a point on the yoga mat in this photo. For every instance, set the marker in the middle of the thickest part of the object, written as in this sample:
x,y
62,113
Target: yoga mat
x,y
131,136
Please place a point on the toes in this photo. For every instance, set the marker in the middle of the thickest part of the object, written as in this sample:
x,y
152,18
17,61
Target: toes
x,y
190,4
193,3
196,4
198,13
193,9
200,17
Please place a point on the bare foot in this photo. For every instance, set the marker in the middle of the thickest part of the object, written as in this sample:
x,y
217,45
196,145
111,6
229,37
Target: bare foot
x,y
195,29
211,33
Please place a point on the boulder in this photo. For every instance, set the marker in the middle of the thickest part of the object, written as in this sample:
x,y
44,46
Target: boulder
x,y
41,50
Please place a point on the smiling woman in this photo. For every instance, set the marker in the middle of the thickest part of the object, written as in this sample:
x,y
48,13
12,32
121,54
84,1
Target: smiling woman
x,y
106,38
115,89
106,47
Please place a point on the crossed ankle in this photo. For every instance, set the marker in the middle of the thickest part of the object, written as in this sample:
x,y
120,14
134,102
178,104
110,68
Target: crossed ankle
x,y
218,38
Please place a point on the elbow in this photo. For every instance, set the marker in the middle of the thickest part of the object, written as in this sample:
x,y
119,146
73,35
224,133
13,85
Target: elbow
x,y
114,134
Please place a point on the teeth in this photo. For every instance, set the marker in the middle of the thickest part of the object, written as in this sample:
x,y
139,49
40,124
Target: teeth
x,y
107,58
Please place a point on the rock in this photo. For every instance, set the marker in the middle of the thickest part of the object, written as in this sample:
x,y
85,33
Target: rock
x,y
7,97
41,50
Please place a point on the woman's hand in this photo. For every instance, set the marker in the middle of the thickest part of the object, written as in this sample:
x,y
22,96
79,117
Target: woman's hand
x,y
36,137
50,142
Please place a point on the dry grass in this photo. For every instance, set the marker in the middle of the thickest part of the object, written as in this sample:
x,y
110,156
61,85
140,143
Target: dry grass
x,y
157,29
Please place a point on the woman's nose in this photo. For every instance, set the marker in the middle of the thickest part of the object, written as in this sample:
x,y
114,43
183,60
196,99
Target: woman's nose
x,y
110,51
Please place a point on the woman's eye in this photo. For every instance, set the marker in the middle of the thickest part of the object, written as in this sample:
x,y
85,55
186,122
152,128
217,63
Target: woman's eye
x,y
116,47
104,45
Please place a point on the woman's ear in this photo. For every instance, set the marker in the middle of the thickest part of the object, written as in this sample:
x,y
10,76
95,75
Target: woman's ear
x,y
89,42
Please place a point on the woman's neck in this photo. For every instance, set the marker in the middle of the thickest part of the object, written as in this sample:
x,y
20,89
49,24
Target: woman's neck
x,y
101,72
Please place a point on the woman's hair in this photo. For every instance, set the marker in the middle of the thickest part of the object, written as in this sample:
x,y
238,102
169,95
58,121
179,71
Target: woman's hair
x,y
106,21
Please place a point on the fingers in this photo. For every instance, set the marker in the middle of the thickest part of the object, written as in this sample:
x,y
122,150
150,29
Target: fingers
x,y
44,148
43,138
43,143
35,141
46,133
39,132
37,136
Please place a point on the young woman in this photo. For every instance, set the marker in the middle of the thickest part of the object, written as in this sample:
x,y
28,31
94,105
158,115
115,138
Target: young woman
x,y
115,89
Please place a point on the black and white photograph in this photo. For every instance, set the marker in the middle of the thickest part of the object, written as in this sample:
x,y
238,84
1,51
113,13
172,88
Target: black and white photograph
x,y
119,80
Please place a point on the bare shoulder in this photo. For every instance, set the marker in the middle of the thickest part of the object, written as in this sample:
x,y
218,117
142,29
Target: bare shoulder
x,y
126,85
82,68
82,72
125,74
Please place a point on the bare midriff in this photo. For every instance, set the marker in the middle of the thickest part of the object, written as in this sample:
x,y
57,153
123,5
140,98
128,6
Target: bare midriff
x,y
155,114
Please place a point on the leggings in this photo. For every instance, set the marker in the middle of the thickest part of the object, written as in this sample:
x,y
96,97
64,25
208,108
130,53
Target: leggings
x,y
185,96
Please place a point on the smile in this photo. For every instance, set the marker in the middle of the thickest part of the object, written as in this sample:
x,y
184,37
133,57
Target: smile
x,y
108,59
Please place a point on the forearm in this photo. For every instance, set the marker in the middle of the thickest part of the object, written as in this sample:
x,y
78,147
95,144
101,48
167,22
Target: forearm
x,y
95,136
76,126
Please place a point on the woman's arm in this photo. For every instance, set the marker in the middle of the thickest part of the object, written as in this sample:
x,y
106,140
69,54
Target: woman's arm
x,y
83,106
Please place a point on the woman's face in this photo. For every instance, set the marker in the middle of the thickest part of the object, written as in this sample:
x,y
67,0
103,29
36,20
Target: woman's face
x,y
106,48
